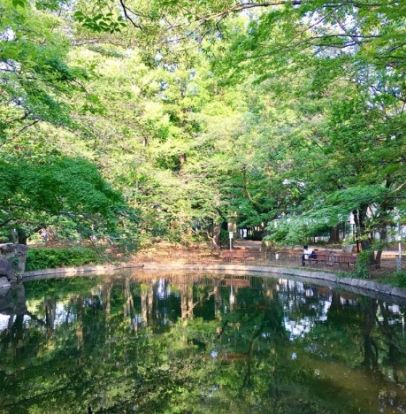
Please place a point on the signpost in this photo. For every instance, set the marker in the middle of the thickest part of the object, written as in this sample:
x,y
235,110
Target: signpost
x,y
231,236
399,239
232,228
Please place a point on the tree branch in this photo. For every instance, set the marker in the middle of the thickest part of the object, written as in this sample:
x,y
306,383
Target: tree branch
x,y
26,127
127,16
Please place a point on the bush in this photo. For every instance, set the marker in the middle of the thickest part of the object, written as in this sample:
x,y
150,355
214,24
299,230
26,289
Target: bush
x,y
400,278
48,258
362,265
224,238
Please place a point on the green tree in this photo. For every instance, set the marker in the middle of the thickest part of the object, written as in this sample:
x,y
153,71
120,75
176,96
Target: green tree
x,y
67,193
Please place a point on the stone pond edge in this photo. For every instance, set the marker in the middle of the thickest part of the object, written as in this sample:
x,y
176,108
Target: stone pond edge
x,y
76,271
303,273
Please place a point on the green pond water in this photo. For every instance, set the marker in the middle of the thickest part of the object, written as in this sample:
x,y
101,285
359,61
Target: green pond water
x,y
187,343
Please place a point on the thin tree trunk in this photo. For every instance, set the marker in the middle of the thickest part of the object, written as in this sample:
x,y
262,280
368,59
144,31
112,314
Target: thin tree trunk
x,y
335,234
22,236
366,242
216,236
378,256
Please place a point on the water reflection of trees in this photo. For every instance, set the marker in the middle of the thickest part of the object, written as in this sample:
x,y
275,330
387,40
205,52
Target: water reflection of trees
x,y
188,343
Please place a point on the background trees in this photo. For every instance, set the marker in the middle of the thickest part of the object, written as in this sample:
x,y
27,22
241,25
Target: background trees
x,y
193,112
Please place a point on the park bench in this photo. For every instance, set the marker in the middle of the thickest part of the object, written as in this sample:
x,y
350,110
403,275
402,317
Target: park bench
x,y
330,258
345,258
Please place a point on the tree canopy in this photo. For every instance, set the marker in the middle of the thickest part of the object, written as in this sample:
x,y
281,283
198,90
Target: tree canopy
x,y
181,113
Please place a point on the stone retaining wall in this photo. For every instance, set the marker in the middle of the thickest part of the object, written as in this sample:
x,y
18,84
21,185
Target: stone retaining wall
x,y
76,271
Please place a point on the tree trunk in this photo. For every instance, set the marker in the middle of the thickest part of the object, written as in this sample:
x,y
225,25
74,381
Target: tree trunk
x,y
21,236
360,218
335,234
378,256
216,236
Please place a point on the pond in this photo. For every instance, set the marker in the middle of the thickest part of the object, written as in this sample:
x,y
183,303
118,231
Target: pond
x,y
188,343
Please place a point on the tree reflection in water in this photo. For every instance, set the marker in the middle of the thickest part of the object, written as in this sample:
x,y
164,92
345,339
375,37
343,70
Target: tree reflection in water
x,y
185,343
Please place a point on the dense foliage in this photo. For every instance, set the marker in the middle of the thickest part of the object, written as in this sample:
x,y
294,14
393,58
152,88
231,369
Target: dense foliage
x,y
48,258
290,114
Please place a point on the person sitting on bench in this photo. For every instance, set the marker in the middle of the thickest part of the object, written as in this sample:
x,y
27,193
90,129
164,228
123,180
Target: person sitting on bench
x,y
306,254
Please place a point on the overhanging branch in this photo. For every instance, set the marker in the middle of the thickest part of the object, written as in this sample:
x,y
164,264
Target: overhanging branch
x,y
127,11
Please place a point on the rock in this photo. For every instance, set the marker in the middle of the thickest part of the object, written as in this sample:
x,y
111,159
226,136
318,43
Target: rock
x,y
5,266
398,292
4,282
12,260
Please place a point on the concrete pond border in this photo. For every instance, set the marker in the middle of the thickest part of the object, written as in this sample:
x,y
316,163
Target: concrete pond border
x,y
314,275
76,271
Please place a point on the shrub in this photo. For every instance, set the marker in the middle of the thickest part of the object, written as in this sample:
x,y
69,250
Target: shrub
x,y
362,265
224,238
48,258
401,278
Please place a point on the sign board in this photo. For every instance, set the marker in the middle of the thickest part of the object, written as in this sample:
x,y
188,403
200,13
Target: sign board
x,y
232,227
230,235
